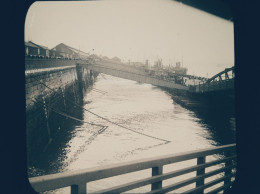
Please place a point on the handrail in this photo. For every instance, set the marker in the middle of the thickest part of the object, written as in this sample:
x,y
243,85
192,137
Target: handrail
x,y
78,179
189,181
150,180
222,84
214,86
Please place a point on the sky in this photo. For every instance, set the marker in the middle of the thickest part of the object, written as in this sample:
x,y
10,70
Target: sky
x,y
136,30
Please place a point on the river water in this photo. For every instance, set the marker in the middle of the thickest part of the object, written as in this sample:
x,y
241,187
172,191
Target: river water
x,y
139,107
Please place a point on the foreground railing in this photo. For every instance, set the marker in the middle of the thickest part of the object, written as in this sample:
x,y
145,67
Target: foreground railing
x,y
78,180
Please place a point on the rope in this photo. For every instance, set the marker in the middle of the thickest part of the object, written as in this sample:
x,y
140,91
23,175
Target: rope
x,y
66,115
100,91
109,120
103,76
126,127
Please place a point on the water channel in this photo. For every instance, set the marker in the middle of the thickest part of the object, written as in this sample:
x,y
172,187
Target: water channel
x,y
140,107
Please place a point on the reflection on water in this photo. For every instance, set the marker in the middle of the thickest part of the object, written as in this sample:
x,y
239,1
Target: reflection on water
x,y
220,125
142,108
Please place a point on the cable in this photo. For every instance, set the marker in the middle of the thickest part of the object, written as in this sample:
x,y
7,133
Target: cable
x,y
108,119
66,115
99,91
103,76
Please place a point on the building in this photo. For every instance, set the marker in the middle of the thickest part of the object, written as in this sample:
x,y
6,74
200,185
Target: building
x,y
146,63
55,54
42,50
116,59
158,63
138,64
31,49
69,52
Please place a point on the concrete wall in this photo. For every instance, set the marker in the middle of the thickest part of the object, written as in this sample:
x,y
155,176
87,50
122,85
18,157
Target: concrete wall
x,y
35,83
48,94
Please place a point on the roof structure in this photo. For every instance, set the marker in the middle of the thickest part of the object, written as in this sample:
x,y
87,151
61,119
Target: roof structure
x,y
37,45
73,49
30,44
78,51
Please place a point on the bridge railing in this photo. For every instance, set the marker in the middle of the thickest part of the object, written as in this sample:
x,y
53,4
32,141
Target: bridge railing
x,y
216,85
78,180
221,81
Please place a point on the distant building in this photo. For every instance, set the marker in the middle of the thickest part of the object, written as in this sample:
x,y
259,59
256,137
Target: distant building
x,y
31,49
158,63
69,52
105,58
138,64
178,64
146,63
116,59
42,50
55,54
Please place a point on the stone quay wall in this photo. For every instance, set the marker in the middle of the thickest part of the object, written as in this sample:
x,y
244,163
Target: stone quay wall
x,y
51,95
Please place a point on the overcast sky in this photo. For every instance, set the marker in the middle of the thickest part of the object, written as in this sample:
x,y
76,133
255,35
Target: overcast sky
x,y
136,30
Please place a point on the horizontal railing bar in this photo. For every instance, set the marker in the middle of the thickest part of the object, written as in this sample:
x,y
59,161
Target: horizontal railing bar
x,y
150,180
223,187
59,180
190,180
211,183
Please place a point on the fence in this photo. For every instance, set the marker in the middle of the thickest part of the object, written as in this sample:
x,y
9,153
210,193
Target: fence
x,y
78,180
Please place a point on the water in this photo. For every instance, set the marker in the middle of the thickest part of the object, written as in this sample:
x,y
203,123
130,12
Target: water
x,y
139,107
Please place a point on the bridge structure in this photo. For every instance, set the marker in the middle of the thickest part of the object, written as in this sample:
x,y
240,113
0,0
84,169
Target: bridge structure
x,y
127,72
221,81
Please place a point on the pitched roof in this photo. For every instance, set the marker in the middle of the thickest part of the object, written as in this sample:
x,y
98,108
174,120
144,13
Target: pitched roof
x,y
30,44
73,49
44,47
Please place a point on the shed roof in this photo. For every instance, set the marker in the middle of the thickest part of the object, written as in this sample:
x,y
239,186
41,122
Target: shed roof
x,y
30,44
37,45
73,49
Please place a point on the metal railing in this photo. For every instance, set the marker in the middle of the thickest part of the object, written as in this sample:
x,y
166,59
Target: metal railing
x,y
221,81
215,86
78,180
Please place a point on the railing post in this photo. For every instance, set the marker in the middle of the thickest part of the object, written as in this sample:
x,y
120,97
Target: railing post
x,y
228,171
200,160
78,189
157,171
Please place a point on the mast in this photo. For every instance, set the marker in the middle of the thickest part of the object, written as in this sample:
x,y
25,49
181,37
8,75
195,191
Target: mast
x,y
182,60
